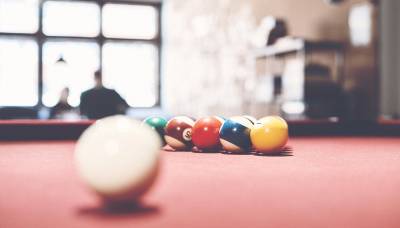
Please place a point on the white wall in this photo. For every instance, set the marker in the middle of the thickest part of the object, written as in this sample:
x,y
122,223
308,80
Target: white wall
x,y
206,61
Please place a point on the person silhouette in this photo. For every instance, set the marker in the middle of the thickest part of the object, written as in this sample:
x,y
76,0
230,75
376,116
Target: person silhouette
x,y
100,101
62,107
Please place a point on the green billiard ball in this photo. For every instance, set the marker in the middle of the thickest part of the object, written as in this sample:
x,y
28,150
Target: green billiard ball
x,y
158,124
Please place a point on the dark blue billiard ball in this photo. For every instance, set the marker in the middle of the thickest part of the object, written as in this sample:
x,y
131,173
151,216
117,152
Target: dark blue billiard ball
x,y
235,135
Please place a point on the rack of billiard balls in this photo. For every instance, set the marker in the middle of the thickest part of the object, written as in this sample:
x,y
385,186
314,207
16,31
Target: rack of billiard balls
x,y
239,134
118,157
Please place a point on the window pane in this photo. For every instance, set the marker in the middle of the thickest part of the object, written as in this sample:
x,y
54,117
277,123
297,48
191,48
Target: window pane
x,y
129,21
76,73
132,69
71,19
19,16
360,24
18,85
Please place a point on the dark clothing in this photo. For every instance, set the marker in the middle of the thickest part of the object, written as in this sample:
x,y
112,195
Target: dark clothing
x,y
100,102
59,109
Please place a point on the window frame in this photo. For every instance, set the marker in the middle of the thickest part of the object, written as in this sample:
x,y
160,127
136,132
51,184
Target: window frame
x,y
100,39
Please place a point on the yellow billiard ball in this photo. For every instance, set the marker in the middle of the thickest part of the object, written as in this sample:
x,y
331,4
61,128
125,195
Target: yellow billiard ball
x,y
270,134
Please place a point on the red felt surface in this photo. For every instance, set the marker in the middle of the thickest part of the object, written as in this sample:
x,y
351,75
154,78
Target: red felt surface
x,y
328,182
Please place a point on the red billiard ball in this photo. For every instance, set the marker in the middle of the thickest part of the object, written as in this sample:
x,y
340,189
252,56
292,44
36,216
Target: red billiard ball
x,y
178,133
205,134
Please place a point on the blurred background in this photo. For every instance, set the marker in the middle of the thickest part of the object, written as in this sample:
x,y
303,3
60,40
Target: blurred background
x,y
303,59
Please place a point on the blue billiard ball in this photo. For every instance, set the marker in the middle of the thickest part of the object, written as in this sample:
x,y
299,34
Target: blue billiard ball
x,y
235,135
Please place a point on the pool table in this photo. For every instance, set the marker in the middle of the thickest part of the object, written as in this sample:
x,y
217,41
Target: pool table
x,y
323,180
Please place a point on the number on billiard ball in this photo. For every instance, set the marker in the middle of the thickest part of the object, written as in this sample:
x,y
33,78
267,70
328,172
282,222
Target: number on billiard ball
x,y
178,133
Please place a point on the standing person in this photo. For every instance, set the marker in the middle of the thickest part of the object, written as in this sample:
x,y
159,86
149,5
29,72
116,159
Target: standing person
x,y
62,107
100,101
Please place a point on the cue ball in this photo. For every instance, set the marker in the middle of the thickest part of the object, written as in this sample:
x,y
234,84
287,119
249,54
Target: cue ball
x,y
118,158
178,133
270,134
205,134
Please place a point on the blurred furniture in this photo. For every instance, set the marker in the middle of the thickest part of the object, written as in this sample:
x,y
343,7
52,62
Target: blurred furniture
x,y
278,31
302,85
18,113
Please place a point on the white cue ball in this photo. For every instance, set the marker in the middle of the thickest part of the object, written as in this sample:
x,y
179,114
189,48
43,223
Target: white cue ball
x,y
118,158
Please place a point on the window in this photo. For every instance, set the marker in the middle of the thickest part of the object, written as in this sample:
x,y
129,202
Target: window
x,y
121,21
71,19
19,16
18,85
76,73
360,24
73,40
125,64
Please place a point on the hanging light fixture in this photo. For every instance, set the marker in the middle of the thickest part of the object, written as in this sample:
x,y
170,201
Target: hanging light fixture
x,y
61,60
